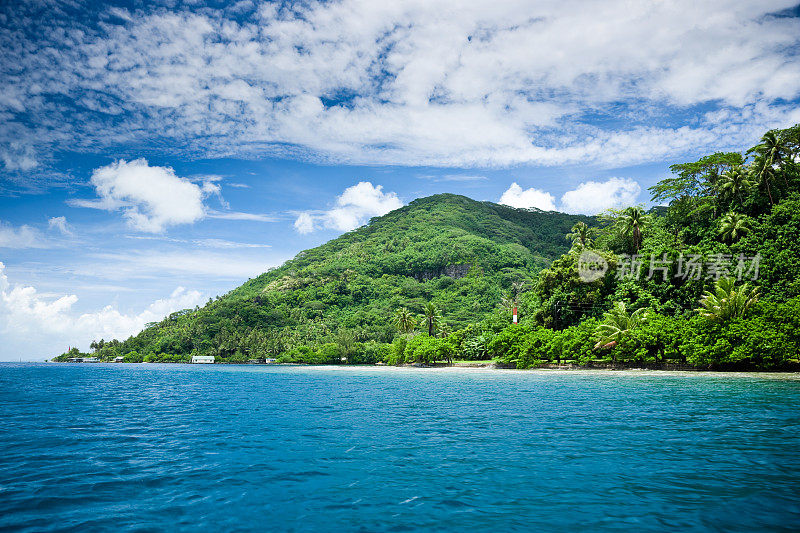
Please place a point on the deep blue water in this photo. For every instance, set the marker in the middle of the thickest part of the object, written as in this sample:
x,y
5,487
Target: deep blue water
x,y
223,448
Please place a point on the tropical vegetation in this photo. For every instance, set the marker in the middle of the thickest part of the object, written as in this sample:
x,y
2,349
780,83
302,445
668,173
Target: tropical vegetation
x,y
709,278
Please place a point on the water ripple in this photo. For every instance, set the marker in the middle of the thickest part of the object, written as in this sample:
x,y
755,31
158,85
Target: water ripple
x,y
180,447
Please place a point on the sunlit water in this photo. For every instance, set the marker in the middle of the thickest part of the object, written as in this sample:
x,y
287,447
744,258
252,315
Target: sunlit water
x,y
222,448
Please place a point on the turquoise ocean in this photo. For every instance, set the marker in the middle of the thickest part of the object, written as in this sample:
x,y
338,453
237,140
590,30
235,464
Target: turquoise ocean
x,y
95,447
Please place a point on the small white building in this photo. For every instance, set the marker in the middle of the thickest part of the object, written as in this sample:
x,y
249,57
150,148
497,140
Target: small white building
x,y
203,359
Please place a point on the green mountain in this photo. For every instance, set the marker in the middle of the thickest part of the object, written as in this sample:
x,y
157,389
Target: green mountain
x,y
457,253
709,280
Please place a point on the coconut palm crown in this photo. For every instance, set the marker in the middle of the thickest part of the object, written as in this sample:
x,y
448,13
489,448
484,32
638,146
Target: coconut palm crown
x,y
404,320
733,226
734,183
431,317
581,234
618,323
726,301
633,221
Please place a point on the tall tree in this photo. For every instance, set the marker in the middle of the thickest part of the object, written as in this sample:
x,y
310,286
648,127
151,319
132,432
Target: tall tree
x,y
733,183
769,154
633,221
581,233
432,317
694,180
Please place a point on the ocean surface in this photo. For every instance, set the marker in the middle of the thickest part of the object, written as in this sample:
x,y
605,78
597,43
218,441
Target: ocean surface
x,y
236,448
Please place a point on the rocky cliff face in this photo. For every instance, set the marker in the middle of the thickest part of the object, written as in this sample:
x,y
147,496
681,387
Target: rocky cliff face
x,y
453,271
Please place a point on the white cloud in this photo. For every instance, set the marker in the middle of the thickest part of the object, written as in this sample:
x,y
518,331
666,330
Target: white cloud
x,y
410,83
237,215
21,237
593,197
36,326
454,177
151,198
18,156
222,243
304,223
60,224
590,197
354,207
516,196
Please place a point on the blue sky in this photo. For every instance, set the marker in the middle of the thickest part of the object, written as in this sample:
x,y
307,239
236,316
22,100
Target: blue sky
x,y
153,155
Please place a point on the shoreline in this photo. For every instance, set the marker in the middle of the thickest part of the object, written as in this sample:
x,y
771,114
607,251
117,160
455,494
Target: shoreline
x,y
476,366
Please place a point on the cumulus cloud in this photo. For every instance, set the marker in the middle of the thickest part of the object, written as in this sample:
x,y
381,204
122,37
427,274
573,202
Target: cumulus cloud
x,y
60,224
412,83
516,196
36,326
592,197
353,208
150,197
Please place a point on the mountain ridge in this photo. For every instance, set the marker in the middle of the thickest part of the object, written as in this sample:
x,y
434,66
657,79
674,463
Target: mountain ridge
x,y
348,289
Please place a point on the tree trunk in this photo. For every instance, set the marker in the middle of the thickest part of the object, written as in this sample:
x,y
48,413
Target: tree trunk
x,y
771,201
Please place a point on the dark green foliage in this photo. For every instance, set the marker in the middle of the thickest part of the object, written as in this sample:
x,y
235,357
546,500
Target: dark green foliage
x,y
720,206
427,350
777,238
437,279
447,253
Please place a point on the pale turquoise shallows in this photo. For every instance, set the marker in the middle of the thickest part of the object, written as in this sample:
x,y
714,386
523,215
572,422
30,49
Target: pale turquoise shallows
x,y
227,448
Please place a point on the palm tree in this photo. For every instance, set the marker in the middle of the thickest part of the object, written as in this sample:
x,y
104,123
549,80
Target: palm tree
x,y
763,173
511,299
507,303
617,323
581,233
444,330
633,221
771,151
726,301
431,316
404,320
733,182
733,226
772,148
517,288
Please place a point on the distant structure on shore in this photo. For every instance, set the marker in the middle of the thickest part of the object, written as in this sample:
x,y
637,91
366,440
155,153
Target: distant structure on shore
x,y
203,359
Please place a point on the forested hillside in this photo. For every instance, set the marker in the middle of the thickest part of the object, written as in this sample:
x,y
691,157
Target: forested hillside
x,y
449,251
709,279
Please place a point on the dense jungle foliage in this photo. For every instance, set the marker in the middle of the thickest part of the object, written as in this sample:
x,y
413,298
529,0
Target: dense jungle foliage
x,y
339,300
711,279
